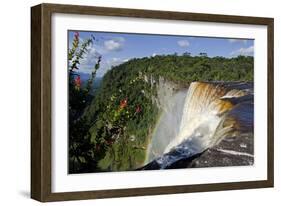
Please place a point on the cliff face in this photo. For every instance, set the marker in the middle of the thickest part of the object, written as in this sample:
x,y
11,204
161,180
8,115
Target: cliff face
x,y
165,90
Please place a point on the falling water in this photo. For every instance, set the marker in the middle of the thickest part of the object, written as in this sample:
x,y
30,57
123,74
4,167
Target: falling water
x,y
196,119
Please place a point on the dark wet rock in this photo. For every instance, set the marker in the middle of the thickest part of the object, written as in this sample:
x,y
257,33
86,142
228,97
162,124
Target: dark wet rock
x,y
232,151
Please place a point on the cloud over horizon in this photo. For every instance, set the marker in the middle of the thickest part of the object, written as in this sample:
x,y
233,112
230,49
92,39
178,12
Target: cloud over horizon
x,y
245,51
115,44
183,43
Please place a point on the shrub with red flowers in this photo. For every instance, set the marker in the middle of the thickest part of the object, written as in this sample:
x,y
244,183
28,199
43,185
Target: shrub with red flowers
x,y
123,103
80,147
79,97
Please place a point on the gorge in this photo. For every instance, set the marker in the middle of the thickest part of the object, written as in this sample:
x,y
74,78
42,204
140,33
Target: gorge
x,y
168,112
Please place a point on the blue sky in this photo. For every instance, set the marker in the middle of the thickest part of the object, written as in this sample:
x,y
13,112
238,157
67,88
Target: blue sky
x,y
116,48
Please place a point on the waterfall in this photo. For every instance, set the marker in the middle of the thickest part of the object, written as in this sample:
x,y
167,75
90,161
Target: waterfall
x,y
193,121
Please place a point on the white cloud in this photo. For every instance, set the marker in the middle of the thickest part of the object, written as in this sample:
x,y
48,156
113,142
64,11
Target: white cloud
x,y
115,44
115,61
248,51
90,59
183,43
154,54
106,65
238,41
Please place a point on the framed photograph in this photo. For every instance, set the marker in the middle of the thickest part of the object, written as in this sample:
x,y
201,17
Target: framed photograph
x,y
130,102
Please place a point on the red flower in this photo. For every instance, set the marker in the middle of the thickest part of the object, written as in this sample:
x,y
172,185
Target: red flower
x,y
77,81
138,109
123,103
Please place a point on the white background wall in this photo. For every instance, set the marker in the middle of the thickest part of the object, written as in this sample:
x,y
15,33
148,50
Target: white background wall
x,y
15,102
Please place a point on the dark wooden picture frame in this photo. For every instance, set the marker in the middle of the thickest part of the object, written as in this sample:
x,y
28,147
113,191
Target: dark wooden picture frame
x,y
41,101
